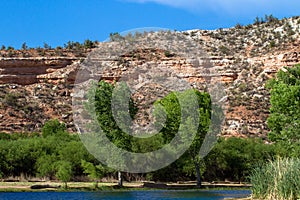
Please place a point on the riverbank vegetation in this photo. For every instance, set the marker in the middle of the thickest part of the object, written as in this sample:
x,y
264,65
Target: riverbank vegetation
x,y
55,154
280,178
26,157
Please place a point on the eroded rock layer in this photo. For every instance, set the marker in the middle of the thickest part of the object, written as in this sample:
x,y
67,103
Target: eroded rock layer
x,y
36,89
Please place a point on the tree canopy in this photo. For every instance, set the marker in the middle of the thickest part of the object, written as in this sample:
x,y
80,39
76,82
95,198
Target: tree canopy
x,y
115,120
284,119
177,122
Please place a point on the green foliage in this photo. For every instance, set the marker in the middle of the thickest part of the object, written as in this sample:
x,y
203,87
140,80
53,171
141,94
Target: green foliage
x,y
234,158
64,171
271,19
266,19
74,152
53,127
11,99
279,179
24,46
284,119
104,113
168,54
230,159
178,114
144,145
238,26
33,155
10,48
272,44
170,106
204,103
5,136
46,46
95,172
19,156
88,44
100,108
177,106
257,21
115,37
45,165
100,97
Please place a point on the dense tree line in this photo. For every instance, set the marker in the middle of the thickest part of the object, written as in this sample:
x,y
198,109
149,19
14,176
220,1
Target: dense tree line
x,y
62,156
56,154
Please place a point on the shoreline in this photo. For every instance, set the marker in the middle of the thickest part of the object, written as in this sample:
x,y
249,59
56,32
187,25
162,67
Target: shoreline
x,y
103,186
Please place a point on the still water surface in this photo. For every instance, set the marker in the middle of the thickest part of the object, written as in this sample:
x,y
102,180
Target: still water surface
x,y
127,195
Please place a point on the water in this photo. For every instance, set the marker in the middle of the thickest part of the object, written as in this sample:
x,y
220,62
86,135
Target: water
x,y
128,195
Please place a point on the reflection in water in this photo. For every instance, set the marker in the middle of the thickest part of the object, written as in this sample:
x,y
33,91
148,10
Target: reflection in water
x,y
129,195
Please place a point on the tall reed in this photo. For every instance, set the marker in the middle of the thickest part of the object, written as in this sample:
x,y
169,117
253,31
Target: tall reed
x,y
277,180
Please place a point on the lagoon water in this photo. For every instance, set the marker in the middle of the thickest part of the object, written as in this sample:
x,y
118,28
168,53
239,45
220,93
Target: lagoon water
x,y
128,195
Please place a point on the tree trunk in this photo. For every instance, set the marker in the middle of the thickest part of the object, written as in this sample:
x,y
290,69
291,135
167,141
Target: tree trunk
x,y
96,184
66,185
120,180
198,174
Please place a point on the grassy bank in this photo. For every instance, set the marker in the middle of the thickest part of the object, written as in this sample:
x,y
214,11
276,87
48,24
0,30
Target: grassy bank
x,y
57,186
90,186
279,179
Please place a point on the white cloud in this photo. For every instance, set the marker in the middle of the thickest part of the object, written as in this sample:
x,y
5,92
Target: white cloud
x,y
232,7
169,2
202,5
187,4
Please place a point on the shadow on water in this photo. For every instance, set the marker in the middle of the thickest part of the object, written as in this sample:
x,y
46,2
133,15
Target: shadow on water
x,y
129,195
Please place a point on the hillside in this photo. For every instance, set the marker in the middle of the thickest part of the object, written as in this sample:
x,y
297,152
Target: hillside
x,y
36,84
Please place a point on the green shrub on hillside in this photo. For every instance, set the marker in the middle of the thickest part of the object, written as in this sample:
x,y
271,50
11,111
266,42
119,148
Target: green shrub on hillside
x,y
53,127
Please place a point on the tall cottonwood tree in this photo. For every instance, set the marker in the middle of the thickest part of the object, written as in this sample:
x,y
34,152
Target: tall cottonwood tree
x,y
100,105
175,122
284,119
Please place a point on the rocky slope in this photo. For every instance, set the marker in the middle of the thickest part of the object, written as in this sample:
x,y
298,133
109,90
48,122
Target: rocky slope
x,y
35,87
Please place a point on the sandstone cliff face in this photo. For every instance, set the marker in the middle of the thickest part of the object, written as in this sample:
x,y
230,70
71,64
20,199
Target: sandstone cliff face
x,y
35,89
26,71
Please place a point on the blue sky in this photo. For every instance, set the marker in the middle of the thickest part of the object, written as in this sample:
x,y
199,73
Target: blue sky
x,y
58,21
